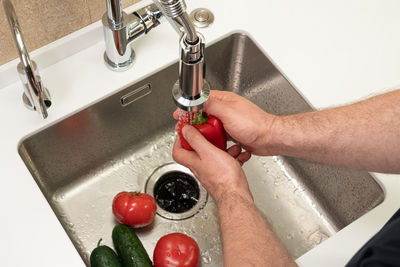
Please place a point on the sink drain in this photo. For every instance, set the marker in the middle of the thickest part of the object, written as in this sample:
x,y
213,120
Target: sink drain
x,y
177,193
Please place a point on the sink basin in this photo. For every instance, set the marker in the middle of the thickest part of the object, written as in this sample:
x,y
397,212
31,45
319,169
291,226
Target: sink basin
x,y
124,142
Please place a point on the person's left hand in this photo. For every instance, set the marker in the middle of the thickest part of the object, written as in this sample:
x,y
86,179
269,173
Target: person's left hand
x,y
219,172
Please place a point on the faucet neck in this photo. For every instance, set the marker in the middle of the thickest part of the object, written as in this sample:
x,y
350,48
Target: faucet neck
x,y
175,12
114,12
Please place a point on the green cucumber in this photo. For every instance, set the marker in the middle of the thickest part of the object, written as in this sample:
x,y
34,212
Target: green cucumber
x,y
129,248
104,256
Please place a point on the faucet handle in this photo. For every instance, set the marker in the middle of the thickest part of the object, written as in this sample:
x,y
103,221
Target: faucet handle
x,y
150,16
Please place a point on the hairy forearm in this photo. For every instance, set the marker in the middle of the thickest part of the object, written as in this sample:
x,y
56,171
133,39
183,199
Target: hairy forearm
x,y
247,238
364,135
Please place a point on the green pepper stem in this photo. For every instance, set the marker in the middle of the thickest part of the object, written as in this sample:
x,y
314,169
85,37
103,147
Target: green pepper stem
x,y
200,118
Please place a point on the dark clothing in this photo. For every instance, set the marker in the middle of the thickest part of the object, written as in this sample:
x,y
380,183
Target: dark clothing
x,y
383,249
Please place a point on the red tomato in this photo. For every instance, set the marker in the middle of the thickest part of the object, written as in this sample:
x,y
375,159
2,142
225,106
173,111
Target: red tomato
x,y
134,209
176,250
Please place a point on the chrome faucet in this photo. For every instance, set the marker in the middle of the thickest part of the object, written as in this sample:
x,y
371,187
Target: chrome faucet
x,y
35,96
120,30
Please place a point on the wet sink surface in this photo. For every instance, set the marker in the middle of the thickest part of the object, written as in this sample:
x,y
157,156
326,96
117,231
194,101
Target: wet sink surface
x,y
120,142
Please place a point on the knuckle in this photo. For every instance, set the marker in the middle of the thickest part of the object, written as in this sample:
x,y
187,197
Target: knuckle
x,y
190,134
176,156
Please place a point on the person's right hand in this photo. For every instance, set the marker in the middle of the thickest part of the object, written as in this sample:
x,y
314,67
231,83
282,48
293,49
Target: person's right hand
x,y
218,171
244,121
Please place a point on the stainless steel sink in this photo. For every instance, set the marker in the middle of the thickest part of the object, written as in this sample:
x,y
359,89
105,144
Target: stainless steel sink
x,y
124,142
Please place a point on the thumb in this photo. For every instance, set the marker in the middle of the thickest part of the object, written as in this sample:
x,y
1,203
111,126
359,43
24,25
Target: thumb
x,y
216,104
196,140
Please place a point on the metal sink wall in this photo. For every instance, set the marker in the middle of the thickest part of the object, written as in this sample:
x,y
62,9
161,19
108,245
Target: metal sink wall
x,y
81,162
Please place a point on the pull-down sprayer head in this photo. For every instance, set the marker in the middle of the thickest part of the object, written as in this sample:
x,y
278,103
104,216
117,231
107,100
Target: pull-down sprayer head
x,y
191,90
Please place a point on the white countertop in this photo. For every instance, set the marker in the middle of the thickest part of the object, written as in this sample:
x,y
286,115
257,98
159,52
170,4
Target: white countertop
x,y
334,52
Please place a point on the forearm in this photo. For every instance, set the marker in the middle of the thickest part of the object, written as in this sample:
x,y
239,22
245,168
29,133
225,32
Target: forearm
x,y
364,135
247,238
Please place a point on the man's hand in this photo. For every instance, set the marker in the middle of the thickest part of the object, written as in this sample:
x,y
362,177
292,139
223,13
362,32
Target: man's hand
x,y
219,172
245,122
247,238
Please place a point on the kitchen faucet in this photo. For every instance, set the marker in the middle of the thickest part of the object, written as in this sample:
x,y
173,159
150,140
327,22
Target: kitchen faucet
x,y
120,30
35,96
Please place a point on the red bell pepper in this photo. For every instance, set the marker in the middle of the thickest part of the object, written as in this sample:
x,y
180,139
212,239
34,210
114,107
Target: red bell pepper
x,y
209,126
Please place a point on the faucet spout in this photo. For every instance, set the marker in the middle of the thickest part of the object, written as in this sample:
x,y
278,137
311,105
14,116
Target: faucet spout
x,y
191,91
36,96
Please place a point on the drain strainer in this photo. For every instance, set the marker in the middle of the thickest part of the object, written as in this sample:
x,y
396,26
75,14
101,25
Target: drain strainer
x,y
177,192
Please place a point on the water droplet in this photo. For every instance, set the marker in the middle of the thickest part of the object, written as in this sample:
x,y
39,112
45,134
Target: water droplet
x,y
206,258
317,237
290,236
204,216
279,180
